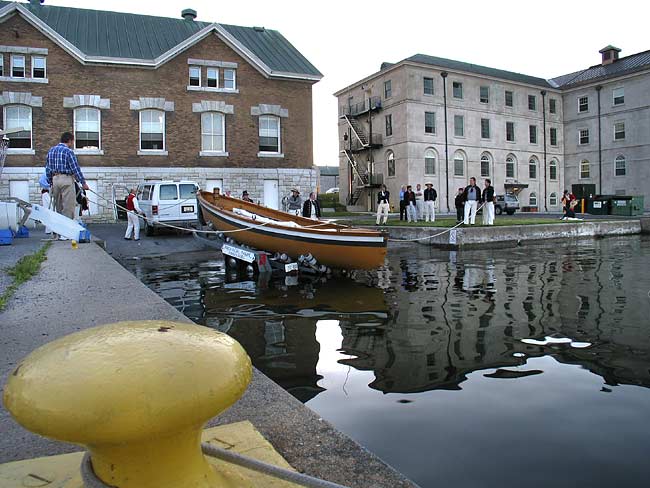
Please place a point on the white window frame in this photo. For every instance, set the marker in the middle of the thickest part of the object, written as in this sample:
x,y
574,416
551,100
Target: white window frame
x,y
485,159
550,139
552,199
458,156
553,164
510,159
390,156
430,154
2,64
153,152
460,87
13,58
620,158
462,119
480,97
259,128
97,151
44,58
580,111
212,152
619,122
614,97
489,130
207,77
532,200
580,174
514,138
580,143
532,162
234,79
189,76
20,150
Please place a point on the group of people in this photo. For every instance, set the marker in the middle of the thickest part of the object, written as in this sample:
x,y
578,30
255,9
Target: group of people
x,y
419,204
469,199
569,202
309,208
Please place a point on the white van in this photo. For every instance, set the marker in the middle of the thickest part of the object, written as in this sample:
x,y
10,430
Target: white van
x,y
171,202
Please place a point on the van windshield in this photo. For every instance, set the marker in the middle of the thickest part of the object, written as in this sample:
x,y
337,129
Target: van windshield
x,y
168,192
187,191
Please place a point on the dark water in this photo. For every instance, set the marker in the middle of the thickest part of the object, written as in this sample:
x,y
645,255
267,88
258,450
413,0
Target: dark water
x,y
526,366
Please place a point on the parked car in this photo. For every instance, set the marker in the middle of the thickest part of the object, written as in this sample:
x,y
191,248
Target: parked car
x,y
169,202
508,203
332,190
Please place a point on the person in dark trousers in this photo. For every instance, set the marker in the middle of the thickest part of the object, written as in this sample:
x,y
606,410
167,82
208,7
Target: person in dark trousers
x,y
472,196
245,197
311,207
459,201
402,207
430,196
383,205
409,204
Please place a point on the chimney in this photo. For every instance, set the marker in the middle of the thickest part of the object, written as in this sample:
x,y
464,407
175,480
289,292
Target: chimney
x,y
189,14
36,2
610,54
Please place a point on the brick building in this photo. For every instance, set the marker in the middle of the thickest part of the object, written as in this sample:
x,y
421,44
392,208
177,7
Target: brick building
x,y
150,98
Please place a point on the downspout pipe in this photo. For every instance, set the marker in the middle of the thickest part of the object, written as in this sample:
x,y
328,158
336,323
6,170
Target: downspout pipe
x,y
544,128
600,146
444,95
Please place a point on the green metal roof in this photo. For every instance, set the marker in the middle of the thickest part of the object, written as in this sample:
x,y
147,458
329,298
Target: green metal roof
x,y
145,37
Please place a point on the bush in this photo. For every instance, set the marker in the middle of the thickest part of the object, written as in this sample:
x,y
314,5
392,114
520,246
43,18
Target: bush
x,y
331,200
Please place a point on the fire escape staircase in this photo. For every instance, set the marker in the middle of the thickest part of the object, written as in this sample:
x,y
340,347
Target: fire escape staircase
x,y
361,177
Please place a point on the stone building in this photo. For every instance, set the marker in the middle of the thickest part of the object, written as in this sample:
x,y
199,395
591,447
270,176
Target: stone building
x,y
439,120
154,98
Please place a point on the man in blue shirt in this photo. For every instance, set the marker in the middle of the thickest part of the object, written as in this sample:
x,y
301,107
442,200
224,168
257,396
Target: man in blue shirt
x,y
61,171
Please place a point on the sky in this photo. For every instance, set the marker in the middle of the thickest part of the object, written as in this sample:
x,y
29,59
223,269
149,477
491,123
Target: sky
x,y
348,40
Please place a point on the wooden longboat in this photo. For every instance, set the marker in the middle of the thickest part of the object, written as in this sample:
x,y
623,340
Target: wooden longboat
x,y
334,245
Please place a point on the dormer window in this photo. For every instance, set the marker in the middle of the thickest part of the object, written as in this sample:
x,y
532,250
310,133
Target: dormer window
x,y
195,76
38,67
18,66
609,54
212,75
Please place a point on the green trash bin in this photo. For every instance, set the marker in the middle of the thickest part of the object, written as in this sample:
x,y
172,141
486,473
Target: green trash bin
x,y
627,205
599,205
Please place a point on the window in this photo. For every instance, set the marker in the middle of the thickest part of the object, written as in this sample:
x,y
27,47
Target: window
x,y
532,200
552,105
38,67
510,131
509,99
212,77
619,168
213,134
168,192
187,190
511,167
553,136
619,96
229,79
388,89
18,66
429,123
390,162
532,134
552,170
485,128
428,86
87,122
19,116
532,169
584,169
152,130
484,94
485,166
389,125
619,131
532,102
583,104
457,88
552,199
459,165
2,65
429,162
583,136
269,134
195,76
459,126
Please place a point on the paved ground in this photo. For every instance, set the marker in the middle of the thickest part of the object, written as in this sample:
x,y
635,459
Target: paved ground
x,y
81,288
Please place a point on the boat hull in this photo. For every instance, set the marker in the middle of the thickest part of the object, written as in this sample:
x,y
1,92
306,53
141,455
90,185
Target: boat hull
x,y
333,245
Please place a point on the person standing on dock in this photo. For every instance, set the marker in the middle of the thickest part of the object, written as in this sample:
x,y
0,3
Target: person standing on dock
x,y
383,205
459,202
402,206
409,204
488,203
294,202
311,208
419,202
132,211
430,196
45,196
471,196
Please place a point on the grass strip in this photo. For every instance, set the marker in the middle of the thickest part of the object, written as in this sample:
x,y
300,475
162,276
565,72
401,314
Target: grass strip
x,y
22,271
446,223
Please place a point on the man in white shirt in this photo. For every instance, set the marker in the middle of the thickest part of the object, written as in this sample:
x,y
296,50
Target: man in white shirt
x,y
132,211
471,195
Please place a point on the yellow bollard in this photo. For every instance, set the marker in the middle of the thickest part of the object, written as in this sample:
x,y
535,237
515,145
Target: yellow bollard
x,y
137,395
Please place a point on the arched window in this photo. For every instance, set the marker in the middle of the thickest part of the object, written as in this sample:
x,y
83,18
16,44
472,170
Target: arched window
x,y
390,163
620,168
532,168
19,117
152,130
532,200
552,170
485,165
429,162
511,167
213,134
87,123
584,169
459,164
552,199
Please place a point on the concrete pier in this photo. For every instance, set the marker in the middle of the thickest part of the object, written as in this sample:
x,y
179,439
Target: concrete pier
x,y
645,225
77,289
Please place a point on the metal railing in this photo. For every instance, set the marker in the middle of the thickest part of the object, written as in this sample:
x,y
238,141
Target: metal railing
x,y
376,141
371,103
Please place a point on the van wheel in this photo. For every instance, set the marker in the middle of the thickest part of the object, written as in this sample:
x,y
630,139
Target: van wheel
x,y
497,210
148,229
